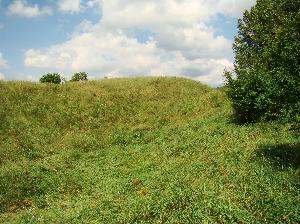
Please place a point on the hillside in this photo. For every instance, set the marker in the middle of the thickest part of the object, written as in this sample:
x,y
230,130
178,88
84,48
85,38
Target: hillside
x,y
141,150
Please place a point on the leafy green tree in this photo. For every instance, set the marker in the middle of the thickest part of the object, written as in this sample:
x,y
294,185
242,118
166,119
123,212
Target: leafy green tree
x,y
51,78
80,76
265,82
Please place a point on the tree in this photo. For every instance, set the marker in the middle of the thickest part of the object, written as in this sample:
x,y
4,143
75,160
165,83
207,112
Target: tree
x,y
51,78
80,76
265,82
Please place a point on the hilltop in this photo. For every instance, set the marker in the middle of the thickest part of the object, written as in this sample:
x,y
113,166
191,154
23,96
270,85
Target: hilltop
x,y
140,150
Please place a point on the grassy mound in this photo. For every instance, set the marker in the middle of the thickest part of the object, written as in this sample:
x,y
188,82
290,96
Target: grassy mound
x,y
143,150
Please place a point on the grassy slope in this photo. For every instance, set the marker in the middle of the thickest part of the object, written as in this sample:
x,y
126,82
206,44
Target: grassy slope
x,y
150,150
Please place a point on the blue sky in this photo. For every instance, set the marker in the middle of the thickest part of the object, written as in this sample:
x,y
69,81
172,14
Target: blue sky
x,y
118,38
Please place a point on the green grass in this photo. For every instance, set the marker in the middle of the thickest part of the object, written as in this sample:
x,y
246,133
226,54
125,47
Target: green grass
x,y
142,150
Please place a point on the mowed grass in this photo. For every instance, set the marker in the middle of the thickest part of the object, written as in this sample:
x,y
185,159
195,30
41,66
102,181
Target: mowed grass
x,y
141,150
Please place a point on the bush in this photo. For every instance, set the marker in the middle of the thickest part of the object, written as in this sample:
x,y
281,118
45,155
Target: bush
x,y
265,83
51,78
80,76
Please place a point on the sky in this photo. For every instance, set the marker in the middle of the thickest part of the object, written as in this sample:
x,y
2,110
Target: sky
x,y
118,38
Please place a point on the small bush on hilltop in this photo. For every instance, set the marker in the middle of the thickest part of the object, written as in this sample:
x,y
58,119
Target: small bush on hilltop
x,y
265,83
51,78
80,76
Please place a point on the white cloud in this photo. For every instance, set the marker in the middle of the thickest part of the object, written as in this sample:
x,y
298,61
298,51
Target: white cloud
x,y
1,26
96,50
3,65
208,71
22,8
181,44
3,62
151,14
2,77
115,54
95,4
71,6
234,8
195,41
76,6
156,13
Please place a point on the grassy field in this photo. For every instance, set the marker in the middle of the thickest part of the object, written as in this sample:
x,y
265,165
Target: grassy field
x,y
142,150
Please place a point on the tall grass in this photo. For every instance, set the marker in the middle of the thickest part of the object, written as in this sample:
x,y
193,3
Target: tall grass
x,y
142,150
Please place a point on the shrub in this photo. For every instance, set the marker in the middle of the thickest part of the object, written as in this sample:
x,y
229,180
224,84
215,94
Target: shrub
x,y
265,83
51,78
80,76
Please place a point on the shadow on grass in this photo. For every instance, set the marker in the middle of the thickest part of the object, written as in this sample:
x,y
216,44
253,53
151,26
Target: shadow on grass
x,y
238,120
282,156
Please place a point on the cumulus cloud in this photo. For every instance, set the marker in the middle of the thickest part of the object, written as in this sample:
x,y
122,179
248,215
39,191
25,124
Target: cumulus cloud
x,y
95,4
96,50
3,62
105,52
234,8
77,6
71,6
24,9
195,41
181,42
3,65
156,13
2,77
206,70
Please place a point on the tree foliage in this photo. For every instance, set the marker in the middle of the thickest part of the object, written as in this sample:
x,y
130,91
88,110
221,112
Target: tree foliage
x,y
265,82
80,76
51,78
